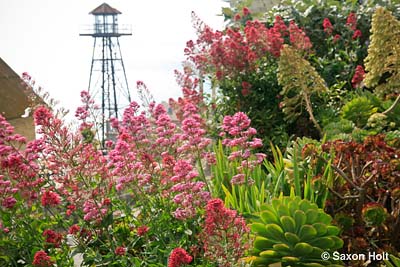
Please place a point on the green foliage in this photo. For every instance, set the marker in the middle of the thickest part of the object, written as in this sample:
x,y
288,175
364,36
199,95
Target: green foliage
x,y
339,130
358,110
261,104
334,59
294,232
246,198
298,172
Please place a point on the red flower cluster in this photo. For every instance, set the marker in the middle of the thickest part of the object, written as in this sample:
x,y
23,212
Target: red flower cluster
x,y
238,133
120,251
298,38
42,116
53,237
336,38
224,234
328,28
357,34
74,229
179,257
142,230
50,199
41,259
9,202
352,21
235,51
246,88
358,76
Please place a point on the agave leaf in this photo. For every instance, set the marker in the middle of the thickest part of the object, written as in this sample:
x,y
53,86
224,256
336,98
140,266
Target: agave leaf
x,y
333,230
323,242
288,224
302,249
312,216
300,218
274,232
321,228
262,243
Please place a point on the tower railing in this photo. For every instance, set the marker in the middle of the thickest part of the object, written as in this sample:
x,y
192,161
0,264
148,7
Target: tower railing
x,y
106,30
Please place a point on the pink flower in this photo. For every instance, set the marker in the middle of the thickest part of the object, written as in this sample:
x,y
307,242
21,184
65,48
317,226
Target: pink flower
x,y
120,251
93,211
179,257
42,116
50,199
238,179
41,259
81,113
9,202
280,26
26,76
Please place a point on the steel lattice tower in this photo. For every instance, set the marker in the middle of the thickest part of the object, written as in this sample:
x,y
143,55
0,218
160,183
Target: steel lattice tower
x,y
108,83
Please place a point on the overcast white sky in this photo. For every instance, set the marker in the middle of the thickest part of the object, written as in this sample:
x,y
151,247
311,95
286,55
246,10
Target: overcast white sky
x,y
42,38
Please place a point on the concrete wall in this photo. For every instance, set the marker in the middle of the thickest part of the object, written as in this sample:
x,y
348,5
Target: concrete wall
x,y
24,126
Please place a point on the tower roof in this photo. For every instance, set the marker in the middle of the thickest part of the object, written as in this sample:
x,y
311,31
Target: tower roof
x,y
104,9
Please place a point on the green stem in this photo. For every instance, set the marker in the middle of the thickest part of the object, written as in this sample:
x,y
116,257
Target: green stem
x,y
202,175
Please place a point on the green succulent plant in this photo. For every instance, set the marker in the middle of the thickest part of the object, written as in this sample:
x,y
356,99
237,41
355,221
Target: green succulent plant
x,y
295,232
358,110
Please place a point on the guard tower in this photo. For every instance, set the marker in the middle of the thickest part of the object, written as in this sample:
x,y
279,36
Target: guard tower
x,y
107,82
